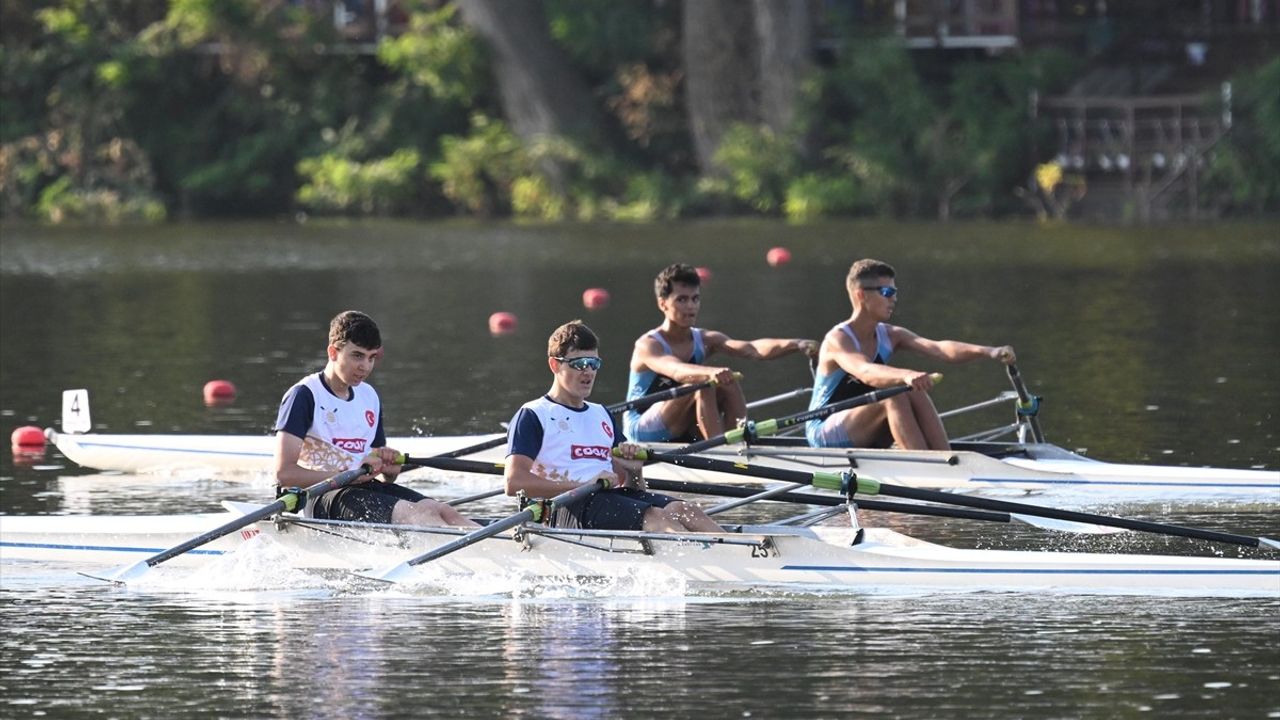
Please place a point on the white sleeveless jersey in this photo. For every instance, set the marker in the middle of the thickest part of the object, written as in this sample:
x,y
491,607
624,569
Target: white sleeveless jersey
x,y
576,445
342,431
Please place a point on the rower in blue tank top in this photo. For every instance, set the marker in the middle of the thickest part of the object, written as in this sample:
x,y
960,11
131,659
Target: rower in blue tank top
x,y
647,381
844,370
675,353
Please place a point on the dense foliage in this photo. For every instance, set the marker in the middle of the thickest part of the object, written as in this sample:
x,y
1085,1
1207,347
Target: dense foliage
x,y
143,109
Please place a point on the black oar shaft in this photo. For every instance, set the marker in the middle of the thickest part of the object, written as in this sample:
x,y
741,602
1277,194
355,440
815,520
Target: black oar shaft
x,y
565,498
281,505
736,491
1071,515
834,481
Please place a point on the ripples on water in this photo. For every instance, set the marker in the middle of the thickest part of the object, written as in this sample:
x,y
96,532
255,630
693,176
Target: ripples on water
x,y
1150,346
193,646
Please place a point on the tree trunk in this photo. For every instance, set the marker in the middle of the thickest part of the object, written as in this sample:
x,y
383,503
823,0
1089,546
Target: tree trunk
x,y
541,93
785,33
718,45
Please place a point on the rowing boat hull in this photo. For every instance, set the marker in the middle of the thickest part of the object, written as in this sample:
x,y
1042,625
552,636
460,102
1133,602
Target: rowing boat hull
x,y
1039,468
758,556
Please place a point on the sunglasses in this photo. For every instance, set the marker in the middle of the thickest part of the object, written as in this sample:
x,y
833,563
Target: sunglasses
x,y
886,291
582,364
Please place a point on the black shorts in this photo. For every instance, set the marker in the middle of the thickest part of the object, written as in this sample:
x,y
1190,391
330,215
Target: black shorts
x,y
366,502
612,510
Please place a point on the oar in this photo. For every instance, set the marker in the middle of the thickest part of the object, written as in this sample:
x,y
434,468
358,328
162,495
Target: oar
x,y
292,501
476,466
765,428
736,491
404,570
639,403
1028,404
849,483
645,401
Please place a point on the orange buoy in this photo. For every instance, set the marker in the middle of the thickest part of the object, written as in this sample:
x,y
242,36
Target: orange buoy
x,y
704,274
27,438
219,392
502,323
778,256
595,298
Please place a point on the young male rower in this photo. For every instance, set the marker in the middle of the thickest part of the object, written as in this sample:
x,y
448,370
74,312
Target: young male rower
x,y
560,440
331,421
854,359
675,353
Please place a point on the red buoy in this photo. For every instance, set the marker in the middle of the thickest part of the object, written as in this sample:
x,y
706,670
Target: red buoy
x,y
704,274
27,438
778,256
219,392
502,323
595,298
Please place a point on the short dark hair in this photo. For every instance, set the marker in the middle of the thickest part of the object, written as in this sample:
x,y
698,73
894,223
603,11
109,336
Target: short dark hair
x,y
671,275
573,335
867,270
353,326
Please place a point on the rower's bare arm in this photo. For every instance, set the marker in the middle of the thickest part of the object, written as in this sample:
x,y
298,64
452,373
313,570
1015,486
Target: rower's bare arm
x,y
841,350
390,468
650,354
953,351
628,470
519,476
287,470
769,348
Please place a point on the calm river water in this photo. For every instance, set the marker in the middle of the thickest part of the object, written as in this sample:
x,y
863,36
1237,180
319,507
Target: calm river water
x,y
1149,345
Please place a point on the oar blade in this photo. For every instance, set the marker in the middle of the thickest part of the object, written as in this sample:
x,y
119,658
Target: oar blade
x,y
1069,526
1269,542
121,575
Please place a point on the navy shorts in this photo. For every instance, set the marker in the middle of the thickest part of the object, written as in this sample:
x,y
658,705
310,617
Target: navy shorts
x,y
615,509
366,502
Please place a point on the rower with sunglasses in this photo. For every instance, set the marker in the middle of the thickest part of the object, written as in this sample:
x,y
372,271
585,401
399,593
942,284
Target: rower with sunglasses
x,y
854,359
560,441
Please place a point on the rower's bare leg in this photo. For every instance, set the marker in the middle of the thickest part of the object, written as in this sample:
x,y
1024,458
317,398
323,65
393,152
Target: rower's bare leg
x,y
678,414
657,519
693,518
708,413
903,424
429,513
678,517
927,419
867,426
733,405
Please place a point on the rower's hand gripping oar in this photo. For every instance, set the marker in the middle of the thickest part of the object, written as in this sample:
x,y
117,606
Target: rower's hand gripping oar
x,y
850,484
639,403
751,430
534,512
292,500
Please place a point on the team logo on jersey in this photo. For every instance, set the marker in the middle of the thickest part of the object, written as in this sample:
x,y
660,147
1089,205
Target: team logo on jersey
x,y
588,452
330,416
607,427
351,445
369,417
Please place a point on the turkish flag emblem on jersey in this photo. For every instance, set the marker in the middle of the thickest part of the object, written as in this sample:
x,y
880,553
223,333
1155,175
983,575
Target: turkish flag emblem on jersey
x,y
369,417
607,427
